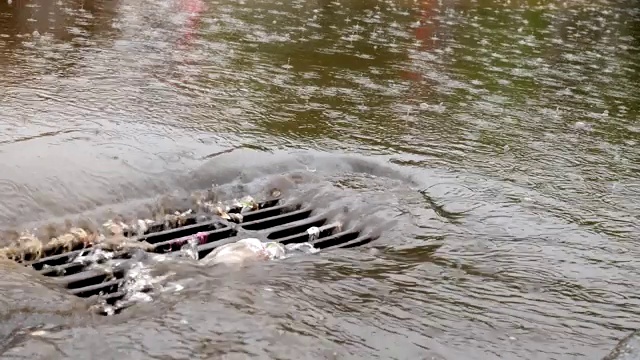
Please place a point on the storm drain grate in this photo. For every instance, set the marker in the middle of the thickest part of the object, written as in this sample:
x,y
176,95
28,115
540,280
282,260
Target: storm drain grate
x,y
275,220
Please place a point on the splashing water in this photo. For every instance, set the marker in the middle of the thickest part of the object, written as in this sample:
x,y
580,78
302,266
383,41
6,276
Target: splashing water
x,y
190,249
300,249
140,285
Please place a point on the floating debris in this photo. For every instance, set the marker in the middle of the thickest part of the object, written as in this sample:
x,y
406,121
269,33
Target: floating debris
x,y
238,252
115,228
231,212
120,243
313,232
252,249
95,256
30,247
274,250
138,285
118,235
301,248
176,219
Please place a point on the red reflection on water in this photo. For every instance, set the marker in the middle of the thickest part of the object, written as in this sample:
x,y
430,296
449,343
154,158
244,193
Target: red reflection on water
x,y
428,24
424,33
194,8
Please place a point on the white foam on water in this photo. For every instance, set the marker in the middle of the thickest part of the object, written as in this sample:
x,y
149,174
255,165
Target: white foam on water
x,y
141,285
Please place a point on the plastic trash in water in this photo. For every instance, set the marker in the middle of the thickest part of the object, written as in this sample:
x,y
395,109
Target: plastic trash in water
x,y
96,255
237,252
314,233
252,249
301,248
275,250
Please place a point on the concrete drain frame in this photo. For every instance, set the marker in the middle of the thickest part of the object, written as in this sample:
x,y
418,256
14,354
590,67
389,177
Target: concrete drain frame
x,y
276,220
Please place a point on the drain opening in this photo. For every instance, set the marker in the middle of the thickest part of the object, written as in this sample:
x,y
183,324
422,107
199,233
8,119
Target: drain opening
x,y
275,220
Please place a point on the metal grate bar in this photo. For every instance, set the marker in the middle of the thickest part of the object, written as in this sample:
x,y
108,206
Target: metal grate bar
x,y
98,289
296,227
167,235
209,236
277,220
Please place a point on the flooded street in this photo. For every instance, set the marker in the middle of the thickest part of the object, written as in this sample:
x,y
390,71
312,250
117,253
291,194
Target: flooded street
x,y
496,142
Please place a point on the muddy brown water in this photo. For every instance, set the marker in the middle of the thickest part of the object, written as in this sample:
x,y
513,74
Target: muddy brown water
x,y
501,137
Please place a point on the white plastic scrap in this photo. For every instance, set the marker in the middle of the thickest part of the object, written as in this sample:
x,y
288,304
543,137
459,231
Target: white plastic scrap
x,y
304,248
275,250
254,249
314,233
94,256
109,310
245,249
247,203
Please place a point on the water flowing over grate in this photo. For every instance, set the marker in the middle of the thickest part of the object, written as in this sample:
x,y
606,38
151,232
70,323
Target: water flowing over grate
x,y
275,220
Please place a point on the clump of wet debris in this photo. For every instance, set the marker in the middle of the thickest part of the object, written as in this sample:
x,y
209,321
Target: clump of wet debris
x,y
120,234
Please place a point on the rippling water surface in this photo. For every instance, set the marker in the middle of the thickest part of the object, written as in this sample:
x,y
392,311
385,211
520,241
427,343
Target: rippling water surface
x,y
501,137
